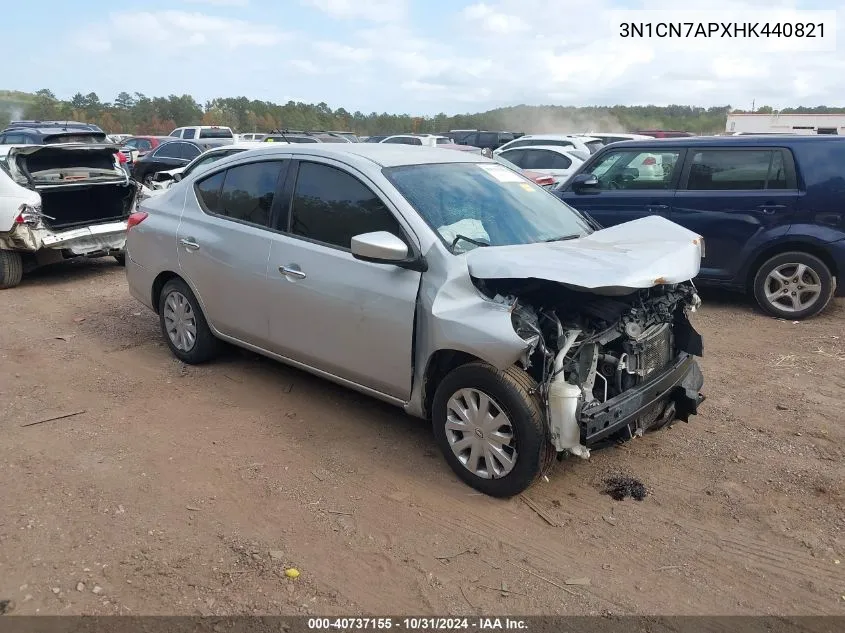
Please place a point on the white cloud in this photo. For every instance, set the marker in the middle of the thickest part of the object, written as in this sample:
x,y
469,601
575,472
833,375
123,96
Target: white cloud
x,y
221,3
465,58
370,10
180,30
305,66
342,52
493,21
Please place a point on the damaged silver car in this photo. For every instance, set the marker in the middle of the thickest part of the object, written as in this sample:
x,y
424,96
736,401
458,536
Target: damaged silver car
x,y
438,281
61,201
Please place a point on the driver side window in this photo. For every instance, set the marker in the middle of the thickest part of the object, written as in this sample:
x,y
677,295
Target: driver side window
x,y
635,169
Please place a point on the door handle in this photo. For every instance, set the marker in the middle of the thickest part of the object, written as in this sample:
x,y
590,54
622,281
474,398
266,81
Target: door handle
x,y
189,244
769,209
292,272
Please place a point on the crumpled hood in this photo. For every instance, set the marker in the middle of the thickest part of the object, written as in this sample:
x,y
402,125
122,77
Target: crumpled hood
x,y
618,260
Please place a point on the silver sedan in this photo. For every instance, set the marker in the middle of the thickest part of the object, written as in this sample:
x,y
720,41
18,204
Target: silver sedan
x,y
436,280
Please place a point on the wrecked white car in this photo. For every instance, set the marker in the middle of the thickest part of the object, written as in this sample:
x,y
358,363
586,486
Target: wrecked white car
x,y
61,201
436,280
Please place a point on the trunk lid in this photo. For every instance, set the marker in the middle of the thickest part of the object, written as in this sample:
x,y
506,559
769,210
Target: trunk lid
x,y
643,253
68,165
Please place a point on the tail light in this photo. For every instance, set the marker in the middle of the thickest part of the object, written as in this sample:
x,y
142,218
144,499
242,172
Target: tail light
x,y
135,219
650,161
121,158
544,181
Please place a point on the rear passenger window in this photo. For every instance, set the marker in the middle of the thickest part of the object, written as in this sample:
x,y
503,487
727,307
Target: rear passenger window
x,y
332,206
248,191
730,170
544,159
190,152
244,193
208,191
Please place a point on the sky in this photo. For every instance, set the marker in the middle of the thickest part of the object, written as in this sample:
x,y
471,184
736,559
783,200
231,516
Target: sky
x,y
414,56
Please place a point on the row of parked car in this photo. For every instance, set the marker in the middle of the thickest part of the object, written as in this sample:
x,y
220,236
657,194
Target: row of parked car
x,y
754,199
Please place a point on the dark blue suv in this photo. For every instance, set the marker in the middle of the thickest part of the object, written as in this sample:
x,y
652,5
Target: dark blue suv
x,y
771,209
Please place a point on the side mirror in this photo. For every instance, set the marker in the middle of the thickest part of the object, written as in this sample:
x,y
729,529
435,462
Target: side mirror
x,y
379,246
177,177
584,182
382,247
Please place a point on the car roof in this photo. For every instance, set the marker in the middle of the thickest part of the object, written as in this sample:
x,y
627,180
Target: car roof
x,y
384,155
53,131
557,137
221,148
732,141
552,148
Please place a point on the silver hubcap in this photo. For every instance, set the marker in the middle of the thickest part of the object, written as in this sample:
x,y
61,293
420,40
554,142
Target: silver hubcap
x,y
793,287
480,434
180,321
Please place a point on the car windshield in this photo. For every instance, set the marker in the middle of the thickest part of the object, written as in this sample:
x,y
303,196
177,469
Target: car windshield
x,y
480,204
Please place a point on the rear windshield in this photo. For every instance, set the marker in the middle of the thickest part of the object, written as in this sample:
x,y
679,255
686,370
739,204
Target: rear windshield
x,y
216,132
291,139
82,137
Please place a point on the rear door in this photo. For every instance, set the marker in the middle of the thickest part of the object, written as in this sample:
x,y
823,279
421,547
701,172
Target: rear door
x,y
350,318
734,198
223,243
633,184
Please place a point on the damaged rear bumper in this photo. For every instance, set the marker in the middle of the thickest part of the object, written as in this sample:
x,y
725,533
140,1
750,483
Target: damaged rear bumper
x,y
92,240
674,394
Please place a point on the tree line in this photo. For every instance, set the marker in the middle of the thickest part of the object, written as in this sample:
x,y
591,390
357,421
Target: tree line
x,y
137,113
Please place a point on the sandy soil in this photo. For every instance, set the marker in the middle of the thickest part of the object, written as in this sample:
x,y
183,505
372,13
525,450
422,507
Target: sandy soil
x,y
190,489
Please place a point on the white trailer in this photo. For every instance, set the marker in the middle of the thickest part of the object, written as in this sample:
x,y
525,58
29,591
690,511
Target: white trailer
x,y
785,123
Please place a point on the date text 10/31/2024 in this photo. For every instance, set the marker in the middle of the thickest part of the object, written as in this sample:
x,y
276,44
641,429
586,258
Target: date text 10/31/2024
x,y
418,624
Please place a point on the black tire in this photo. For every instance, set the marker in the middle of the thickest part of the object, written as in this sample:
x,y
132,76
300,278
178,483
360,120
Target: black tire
x,y
11,269
206,346
816,268
120,258
515,393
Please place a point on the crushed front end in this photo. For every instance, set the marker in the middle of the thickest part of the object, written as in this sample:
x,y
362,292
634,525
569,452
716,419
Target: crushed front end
x,y
609,367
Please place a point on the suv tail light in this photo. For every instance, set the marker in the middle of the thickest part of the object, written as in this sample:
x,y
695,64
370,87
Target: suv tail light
x,y
121,157
650,161
135,219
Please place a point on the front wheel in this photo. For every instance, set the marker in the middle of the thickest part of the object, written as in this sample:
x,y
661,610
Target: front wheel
x,y
491,429
793,285
184,326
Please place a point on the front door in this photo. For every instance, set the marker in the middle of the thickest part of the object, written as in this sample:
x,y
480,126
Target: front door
x,y
349,318
223,242
730,197
633,184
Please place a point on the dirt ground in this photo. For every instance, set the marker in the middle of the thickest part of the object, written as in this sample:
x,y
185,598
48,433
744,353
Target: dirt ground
x,y
189,490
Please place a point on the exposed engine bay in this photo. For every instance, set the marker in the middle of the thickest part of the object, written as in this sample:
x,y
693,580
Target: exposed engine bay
x,y
588,352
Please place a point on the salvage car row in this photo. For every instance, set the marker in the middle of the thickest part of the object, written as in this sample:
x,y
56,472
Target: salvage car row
x,y
445,282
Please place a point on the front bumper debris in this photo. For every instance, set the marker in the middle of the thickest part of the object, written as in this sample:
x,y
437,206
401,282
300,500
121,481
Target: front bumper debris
x,y
674,394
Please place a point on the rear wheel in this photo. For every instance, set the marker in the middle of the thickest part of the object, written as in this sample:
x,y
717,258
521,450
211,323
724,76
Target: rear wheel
x,y
490,426
184,326
793,285
11,269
